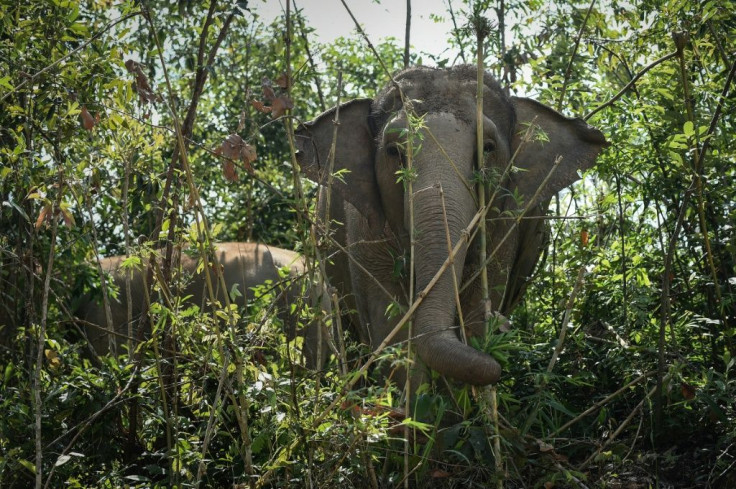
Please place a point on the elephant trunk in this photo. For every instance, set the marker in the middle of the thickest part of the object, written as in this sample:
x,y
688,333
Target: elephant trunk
x,y
437,342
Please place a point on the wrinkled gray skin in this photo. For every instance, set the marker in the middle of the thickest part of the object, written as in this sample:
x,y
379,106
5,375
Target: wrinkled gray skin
x,y
374,207
245,264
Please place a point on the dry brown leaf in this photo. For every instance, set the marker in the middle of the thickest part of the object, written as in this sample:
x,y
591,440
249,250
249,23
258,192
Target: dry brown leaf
x,y
268,93
544,447
228,169
235,148
439,474
280,105
145,92
88,122
282,81
43,216
260,106
231,146
68,217
248,154
688,391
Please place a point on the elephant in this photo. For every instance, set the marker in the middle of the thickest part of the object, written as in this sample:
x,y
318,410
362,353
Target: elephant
x,y
245,264
370,208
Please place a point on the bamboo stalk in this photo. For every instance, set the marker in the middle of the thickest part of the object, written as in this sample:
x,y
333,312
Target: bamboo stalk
x,y
482,29
37,388
412,237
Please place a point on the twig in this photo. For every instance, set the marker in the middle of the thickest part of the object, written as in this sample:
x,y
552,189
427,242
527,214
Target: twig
x,y
310,59
566,319
456,31
622,237
599,404
717,113
618,431
456,286
407,33
629,85
372,48
412,265
572,56
204,228
501,14
532,418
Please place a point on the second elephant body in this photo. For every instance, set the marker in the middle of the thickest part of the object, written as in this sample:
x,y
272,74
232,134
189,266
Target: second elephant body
x,y
244,265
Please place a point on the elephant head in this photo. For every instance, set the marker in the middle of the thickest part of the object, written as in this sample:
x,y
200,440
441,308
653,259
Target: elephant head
x,y
371,145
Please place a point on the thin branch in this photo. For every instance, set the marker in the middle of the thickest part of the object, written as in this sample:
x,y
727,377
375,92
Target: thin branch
x,y
407,33
501,14
630,84
204,227
456,31
599,404
566,319
717,114
371,46
625,423
665,305
572,56
310,59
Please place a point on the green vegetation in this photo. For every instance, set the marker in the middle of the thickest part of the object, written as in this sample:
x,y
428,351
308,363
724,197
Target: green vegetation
x,y
154,124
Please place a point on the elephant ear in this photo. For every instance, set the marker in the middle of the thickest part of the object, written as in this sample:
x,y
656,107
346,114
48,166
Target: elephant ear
x,y
577,143
354,152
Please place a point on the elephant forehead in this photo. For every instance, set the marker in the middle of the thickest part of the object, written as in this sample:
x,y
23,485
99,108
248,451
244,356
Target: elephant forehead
x,y
453,90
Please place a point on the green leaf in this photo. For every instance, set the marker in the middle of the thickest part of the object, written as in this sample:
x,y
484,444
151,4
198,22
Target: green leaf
x,y
28,465
688,129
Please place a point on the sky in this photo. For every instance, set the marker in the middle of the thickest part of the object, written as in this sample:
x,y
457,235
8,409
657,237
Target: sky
x,y
330,20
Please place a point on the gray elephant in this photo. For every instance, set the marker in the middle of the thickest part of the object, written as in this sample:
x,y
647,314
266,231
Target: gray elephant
x,y
245,264
373,206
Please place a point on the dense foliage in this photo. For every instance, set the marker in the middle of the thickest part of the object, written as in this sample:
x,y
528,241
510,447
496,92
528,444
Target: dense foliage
x,y
133,128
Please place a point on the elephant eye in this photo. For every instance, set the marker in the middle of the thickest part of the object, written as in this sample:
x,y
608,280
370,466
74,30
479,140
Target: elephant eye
x,y
393,151
489,146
